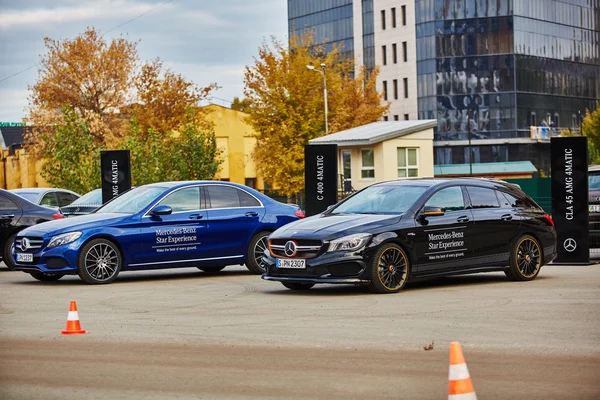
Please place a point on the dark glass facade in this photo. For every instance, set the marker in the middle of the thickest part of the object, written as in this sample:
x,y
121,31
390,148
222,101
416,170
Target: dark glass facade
x,y
368,26
490,69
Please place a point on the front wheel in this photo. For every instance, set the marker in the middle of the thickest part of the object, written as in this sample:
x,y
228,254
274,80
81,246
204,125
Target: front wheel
x,y
7,252
297,285
256,250
389,269
42,277
525,259
99,262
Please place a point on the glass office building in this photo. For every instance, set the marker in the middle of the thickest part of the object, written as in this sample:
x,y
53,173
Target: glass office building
x,y
490,70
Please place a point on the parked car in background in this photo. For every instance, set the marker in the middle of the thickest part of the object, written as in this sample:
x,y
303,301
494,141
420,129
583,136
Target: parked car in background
x,y
203,224
594,205
86,204
16,214
48,197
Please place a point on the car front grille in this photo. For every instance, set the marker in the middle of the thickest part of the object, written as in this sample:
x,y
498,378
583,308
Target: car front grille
x,y
28,243
305,248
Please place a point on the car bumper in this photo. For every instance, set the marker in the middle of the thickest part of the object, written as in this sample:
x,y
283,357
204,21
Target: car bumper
x,y
355,281
57,260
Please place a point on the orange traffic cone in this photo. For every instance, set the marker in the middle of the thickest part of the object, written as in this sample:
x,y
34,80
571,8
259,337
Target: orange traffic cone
x,y
460,386
73,327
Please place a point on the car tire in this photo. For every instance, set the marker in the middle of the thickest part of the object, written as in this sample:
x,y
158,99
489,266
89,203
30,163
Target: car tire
x,y
7,252
211,269
99,262
297,285
42,277
525,259
255,250
390,269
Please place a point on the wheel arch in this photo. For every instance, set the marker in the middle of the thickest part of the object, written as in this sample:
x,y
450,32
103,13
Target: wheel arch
x,y
392,237
111,239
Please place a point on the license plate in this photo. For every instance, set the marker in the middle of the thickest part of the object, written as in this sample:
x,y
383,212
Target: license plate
x,y
594,207
291,263
24,257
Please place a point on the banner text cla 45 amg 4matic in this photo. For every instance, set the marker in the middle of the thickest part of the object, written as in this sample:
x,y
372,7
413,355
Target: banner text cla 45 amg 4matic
x,y
393,232
202,224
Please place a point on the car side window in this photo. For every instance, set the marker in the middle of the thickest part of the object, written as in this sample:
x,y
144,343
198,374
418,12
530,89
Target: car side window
x,y
187,199
7,204
64,198
222,196
246,200
513,202
49,199
449,199
482,197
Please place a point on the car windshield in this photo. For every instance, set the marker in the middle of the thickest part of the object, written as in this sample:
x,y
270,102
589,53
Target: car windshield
x,y
381,199
32,197
593,182
92,198
133,201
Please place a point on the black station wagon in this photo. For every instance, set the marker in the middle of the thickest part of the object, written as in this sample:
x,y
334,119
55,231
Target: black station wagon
x,y
398,231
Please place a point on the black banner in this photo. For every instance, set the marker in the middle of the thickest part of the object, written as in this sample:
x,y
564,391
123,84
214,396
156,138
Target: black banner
x,y
320,177
570,199
116,173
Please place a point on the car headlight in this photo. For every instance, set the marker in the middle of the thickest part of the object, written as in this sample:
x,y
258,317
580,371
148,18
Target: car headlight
x,y
65,238
349,243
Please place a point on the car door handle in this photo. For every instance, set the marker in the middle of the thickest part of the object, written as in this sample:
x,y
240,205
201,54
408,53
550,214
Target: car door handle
x,y
251,214
7,216
464,218
506,217
196,216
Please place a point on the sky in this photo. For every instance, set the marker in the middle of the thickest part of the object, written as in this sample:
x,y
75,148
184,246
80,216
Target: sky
x,y
205,40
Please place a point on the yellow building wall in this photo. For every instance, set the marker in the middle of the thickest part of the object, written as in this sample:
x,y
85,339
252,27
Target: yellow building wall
x,y
20,170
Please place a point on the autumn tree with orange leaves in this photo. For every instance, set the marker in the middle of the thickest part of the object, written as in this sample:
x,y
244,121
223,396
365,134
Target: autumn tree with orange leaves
x,y
285,104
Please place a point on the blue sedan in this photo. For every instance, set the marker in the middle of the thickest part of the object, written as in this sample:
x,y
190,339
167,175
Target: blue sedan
x,y
203,224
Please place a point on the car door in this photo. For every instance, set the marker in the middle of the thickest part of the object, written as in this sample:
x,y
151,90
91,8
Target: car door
x,y
495,227
233,218
10,214
178,239
444,242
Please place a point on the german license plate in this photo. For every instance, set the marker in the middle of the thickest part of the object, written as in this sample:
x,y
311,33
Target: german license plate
x,y
291,263
595,208
24,257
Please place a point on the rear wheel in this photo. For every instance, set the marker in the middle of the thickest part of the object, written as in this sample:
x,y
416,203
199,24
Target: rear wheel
x,y
7,252
42,277
389,269
210,269
525,259
297,285
99,262
256,250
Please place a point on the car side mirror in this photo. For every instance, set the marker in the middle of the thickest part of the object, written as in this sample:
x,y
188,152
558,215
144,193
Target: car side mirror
x,y
161,210
429,211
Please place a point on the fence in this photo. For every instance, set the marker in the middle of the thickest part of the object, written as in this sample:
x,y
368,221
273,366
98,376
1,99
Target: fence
x,y
539,189
20,170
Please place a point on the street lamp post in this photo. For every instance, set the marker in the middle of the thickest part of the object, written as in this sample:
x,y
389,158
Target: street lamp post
x,y
323,72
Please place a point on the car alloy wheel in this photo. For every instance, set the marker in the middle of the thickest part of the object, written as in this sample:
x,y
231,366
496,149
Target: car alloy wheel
x,y
389,269
528,258
259,251
99,262
256,249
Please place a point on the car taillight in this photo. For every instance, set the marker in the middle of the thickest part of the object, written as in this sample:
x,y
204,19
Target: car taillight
x,y
549,218
299,214
57,216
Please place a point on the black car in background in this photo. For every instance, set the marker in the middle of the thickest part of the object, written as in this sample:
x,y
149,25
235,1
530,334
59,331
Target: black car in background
x,y
393,232
86,204
594,205
16,214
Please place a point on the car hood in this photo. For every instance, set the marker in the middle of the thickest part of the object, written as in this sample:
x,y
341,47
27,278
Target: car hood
x,y
332,226
72,224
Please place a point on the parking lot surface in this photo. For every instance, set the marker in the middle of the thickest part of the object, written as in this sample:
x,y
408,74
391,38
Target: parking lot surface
x,y
190,335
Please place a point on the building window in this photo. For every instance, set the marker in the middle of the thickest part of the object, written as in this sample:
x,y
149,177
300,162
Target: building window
x,y
347,165
393,17
395,118
383,20
403,15
384,55
406,117
250,182
385,117
500,153
405,80
408,163
475,151
533,120
404,51
367,164
385,90
395,89
394,53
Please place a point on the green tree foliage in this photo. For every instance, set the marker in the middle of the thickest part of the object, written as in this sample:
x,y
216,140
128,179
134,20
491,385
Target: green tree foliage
x,y
189,154
241,105
75,161
590,127
286,105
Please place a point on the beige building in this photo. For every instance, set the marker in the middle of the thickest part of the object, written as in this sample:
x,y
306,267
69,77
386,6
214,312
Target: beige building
x,y
382,151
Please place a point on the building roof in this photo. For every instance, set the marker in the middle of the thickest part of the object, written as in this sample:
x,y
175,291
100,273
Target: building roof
x,y
509,167
375,132
12,135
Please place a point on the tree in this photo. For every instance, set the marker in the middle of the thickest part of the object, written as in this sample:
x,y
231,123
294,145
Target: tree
x,y
286,105
590,127
240,105
75,161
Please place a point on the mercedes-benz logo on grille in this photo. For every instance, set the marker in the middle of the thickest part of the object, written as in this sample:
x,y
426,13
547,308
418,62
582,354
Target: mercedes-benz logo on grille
x,y
25,244
570,245
290,249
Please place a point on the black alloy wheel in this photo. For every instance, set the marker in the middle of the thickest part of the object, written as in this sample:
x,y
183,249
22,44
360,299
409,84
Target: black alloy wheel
x,y
256,250
99,262
389,269
525,260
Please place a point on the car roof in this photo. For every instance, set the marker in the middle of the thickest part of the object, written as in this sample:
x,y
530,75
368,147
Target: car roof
x,y
39,190
173,184
430,182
